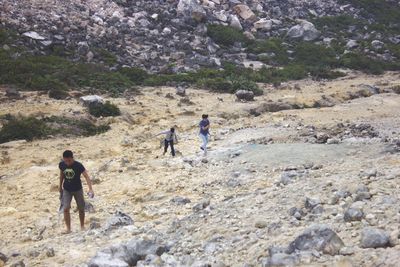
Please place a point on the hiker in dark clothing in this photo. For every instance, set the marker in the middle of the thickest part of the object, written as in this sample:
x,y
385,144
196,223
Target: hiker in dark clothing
x,y
170,140
71,186
204,132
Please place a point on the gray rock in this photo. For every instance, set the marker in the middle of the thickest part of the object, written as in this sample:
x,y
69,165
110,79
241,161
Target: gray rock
x,y
280,259
374,238
33,35
119,219
351,44
311,203
263,24
201,205
235,23
128,254
180,90
13,93
19,263
180,200
305,30
353,214
191,8
91,100
245,95
3,257
318,237
376,44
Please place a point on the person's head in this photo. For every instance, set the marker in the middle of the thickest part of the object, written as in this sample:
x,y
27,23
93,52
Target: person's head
x,y
68,157
172,130
204,116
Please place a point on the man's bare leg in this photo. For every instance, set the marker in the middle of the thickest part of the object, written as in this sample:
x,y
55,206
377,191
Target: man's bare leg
x,y
67,219
82,219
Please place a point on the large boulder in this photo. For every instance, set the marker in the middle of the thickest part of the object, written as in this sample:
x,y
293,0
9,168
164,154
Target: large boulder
x,y
245,95
317,237
280,259
305,30
90,100
245,12
192,8
374,238
128,254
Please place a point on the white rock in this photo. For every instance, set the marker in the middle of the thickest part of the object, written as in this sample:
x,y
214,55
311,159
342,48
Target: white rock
x,y
33,35
244,12
235,23
263,24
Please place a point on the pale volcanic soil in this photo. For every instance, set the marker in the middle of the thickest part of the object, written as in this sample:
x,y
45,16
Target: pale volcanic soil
x,y
249,207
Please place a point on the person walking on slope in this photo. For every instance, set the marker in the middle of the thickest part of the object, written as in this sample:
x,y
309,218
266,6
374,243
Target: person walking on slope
x,y
71,186
204,132
170,139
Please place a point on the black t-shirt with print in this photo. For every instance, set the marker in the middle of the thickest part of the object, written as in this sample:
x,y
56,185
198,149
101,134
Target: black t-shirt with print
x,y
72,175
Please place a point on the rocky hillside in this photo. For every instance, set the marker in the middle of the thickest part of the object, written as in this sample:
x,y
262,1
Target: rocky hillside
x,y
182,36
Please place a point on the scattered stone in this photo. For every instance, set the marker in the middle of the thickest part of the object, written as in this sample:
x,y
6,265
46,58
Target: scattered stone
x,y
305,30
33,35
3,257
353,214
180,200
351,44
318,237
245,12
245,95
119,219
280,259
180,90
261,224
374,238
13,93
128,254
263,24
50,252
201,205
90,100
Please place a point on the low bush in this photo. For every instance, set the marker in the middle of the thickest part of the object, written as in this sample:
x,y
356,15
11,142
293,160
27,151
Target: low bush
x,y
273,46
241,83
362,63
104,110
219,84
28,128
135,75
225,35
31,128
58,94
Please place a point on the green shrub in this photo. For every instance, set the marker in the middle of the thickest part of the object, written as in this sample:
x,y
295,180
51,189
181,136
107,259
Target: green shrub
x,y
336,24
218,84
46,83
135,75
58,94
225,35
74,127
104,110
241,83
28,128
106,56
272,45
310,54
362,63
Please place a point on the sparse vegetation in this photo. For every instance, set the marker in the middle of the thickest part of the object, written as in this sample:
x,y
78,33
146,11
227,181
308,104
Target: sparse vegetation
x,y
31,128
104,110
225,35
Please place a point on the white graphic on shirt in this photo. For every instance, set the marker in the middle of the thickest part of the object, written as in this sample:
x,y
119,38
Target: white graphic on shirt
x,y
69,174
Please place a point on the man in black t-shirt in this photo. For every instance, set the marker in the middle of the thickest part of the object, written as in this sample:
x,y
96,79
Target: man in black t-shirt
x,y
71,186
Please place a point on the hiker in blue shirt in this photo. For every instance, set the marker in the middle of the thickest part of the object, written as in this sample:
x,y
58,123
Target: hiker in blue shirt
x,y
204,132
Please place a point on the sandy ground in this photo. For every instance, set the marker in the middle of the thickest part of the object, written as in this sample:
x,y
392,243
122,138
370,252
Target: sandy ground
x,y
133,177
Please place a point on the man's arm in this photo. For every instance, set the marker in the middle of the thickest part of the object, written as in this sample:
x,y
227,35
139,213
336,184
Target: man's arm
x,y
88,181
61,181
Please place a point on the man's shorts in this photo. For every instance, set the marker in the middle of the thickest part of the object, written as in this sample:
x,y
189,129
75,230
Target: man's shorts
x,y
79,199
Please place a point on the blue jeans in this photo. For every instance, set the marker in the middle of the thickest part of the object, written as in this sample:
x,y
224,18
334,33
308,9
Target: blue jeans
x,y
204,139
